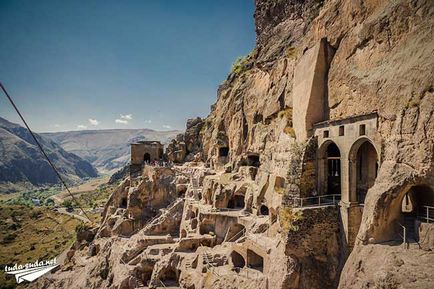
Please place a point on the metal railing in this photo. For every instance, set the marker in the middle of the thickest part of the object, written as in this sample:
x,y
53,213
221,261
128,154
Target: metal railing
x,y
161,282
237,236
205,258
321,200
426,214
403,235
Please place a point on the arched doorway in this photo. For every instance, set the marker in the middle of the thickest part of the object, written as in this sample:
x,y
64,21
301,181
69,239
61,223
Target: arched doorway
x,y
364,168
330,169
255,261
146,157
237,260
235,232
417,204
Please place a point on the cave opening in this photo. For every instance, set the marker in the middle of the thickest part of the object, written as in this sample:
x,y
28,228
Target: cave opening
x,y
236,202
255,261
264,210
223,151
253,160
237,260
417,206
123,203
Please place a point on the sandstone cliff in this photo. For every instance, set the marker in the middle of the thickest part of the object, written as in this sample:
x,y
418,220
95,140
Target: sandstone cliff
x,y
333,89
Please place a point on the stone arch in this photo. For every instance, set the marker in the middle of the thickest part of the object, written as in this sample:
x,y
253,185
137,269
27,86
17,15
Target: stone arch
x,y
146,157
237,260
416,204
255,261
364,163
234,232
329,168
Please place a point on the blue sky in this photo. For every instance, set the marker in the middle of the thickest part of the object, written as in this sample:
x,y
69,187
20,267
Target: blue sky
x,y
118,64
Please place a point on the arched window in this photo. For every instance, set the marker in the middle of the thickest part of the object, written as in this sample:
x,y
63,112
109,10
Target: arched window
x,y
330,169
364,168
333,169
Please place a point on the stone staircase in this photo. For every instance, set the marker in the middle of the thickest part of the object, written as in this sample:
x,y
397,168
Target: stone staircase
x,y
157,218
207,260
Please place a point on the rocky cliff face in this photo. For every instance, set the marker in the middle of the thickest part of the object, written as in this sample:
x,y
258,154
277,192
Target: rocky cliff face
x,y
381,62
187,146
244,222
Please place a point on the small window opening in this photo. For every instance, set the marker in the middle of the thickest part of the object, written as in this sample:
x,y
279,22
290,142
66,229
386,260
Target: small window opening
x,y
341,130
362,129
325,134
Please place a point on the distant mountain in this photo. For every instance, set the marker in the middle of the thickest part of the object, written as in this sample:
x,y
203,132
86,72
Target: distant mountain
x,y
22,162
109,149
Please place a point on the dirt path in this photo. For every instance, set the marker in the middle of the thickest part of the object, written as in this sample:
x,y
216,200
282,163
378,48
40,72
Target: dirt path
x,y
63,211
81,189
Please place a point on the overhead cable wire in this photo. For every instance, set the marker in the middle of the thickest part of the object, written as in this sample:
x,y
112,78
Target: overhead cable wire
x,y
42,150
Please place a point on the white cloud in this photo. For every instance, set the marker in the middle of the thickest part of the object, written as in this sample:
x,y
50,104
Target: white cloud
x,y
93,121
166,126
80,126
127,116
56,125
148,121
122,121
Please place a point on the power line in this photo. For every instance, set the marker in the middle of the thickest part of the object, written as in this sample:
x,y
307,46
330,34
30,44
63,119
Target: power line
x,y
41,149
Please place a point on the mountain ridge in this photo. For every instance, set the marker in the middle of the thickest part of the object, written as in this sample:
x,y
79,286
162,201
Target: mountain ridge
x,y
107,149
22,162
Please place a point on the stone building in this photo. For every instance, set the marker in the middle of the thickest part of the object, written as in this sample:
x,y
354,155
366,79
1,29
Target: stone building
x,y
348,150
145,151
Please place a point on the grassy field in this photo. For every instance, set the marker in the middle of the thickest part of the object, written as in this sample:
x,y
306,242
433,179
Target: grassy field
x,y
29,233
6,197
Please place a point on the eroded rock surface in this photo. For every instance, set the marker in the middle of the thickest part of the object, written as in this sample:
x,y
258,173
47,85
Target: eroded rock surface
x,y
242,208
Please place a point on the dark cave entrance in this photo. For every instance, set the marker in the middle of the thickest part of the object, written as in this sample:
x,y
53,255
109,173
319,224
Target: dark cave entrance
x,y
146,157
255,261
223,151
264,210
237,260
236,202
